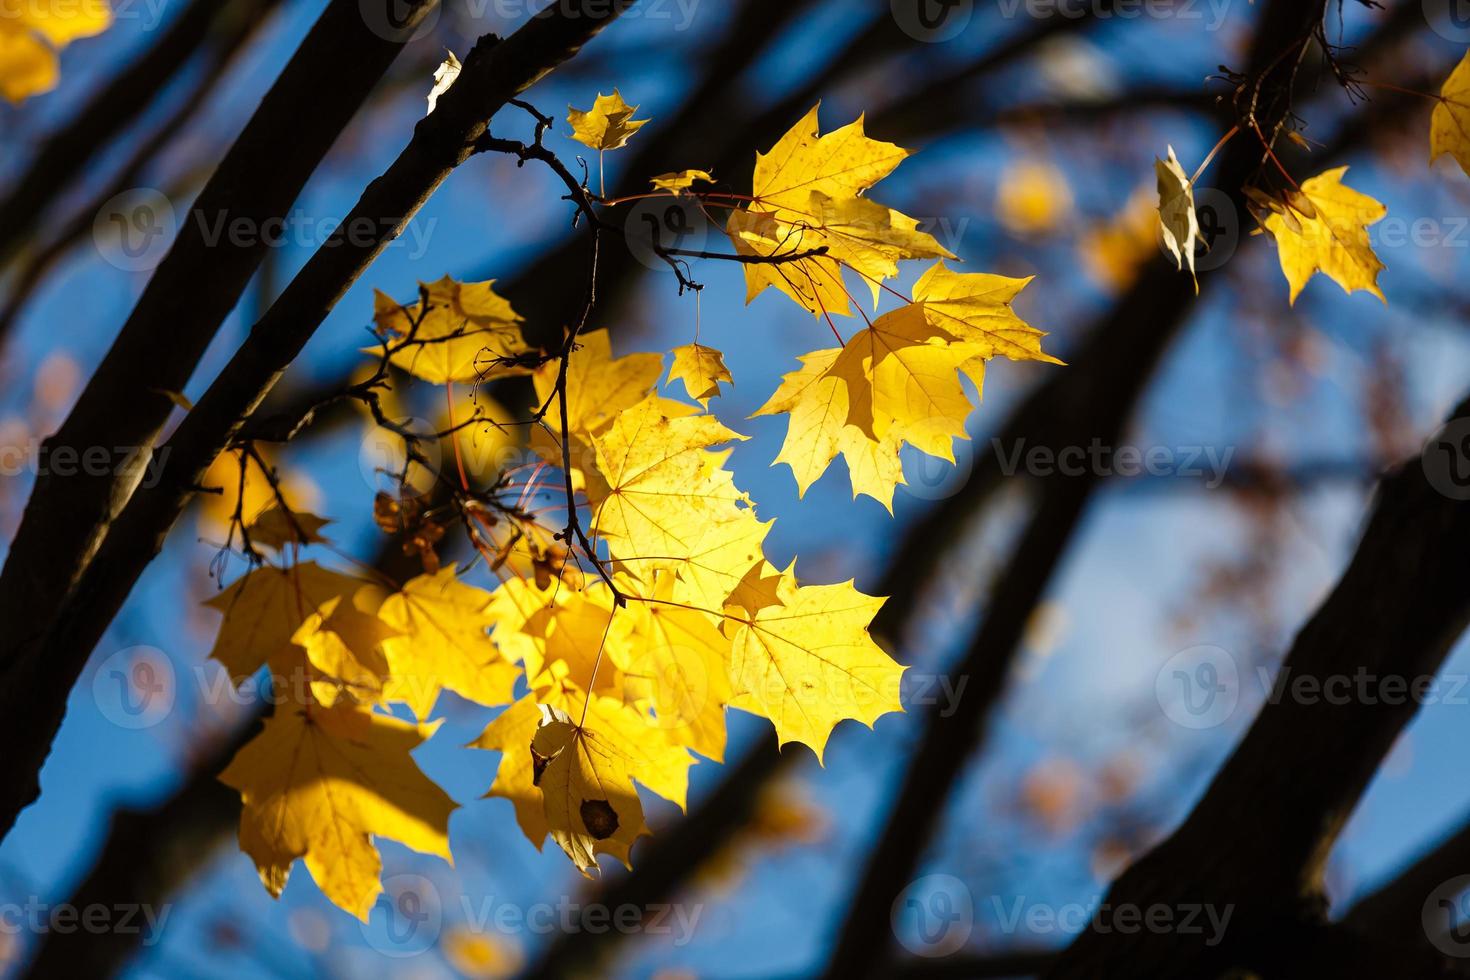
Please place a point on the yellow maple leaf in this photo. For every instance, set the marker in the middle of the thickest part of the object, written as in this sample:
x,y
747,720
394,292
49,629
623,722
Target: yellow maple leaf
x,y
1334,240
276,528
809,663
817,431
599,386
344,641
1449,124
807,195
665,485
680,180
1177,219
678,661
842,163
975,307
607,125
319,783
701,369
902,378
587,769
443,644
468,333
264,609
510,734
32,33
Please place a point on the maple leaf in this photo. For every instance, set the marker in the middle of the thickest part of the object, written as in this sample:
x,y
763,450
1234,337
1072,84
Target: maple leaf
x,y
975,307
31,34
665,486
599,386
276,528
607,125
1449,124
902,377
264,609
443,644
1177,217
701,369
843,163
468,333
1333,240
680,180
343,641
320,783
807,198
510,734
809,663
678,661
587,769
571,650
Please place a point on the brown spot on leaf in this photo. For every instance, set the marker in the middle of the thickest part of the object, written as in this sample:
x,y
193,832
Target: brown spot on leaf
x,y
599,818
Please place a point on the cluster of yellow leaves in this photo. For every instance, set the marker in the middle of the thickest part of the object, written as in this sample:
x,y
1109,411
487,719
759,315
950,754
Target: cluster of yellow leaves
x,y
899,380
31,34
456,333
1322,224
620,689
330,771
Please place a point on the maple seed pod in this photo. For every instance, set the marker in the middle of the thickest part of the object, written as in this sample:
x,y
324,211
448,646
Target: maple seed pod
x,y
1300,203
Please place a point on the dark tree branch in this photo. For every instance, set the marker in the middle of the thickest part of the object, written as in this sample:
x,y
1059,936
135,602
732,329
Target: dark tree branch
x,y
125,403
1259,838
